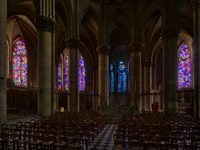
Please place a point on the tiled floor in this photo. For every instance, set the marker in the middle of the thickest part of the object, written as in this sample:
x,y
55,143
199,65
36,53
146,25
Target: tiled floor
x,y
105,139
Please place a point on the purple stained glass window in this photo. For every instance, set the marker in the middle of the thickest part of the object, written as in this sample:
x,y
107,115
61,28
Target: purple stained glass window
x,y
184,67
81,71
67,73
65,78
59,76
19,70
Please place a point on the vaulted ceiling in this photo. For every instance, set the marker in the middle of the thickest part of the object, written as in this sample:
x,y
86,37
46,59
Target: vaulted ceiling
x,y
120,22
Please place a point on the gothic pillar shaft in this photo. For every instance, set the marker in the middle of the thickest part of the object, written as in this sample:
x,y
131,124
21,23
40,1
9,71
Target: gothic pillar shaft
x,y
132,78
104,77
45,23
96,87
135,68
3,60
144,81
170,73
73,102
93,87
73,105
137,81
45,73
170,38
54,70
196,44
149,85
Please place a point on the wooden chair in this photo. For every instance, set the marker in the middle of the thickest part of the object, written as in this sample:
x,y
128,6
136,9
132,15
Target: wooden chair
x,y
119,139
119,147
35,142
48,142
135,141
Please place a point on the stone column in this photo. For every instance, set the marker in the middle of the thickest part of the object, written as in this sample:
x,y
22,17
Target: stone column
x,y
103,59
3,61
103,76
74,45
54,70
149,84
196,45
93,87
96,88
73,103
137,75
170,73
45,25
135,59
135,70
170,38
132,78
144,87
96,102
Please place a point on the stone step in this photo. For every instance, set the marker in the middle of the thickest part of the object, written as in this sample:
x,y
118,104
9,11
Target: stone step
x,y
114,113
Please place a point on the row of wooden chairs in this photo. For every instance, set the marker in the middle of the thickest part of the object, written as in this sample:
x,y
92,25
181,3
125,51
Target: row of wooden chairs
x,y
63,131
158,131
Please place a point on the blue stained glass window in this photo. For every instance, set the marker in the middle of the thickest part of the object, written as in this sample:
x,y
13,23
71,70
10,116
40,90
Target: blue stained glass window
x,y
184,67
112,78
81,72
19,72
122,77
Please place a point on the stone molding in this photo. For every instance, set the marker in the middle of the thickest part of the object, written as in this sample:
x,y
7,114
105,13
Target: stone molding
x,y
73,44
147,63
170,32
136,47
45,24
103,50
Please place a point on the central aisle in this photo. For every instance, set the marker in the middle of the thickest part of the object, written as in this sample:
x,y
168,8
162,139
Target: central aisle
x,y
105,139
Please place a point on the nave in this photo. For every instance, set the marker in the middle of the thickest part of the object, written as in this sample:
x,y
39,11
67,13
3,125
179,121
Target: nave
x,y
93,131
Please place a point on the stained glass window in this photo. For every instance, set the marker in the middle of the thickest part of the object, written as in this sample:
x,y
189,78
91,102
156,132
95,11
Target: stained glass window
x,y
124,80
112,78
66,73
8,58
19,70
59,76
65,78
81,72
122,77
184,67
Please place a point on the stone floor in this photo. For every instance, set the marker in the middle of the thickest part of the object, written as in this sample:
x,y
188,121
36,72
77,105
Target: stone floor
x,y
105,140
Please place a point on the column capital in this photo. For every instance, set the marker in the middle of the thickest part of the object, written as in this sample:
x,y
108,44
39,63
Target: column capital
x,y
73,43
136,47
147,63
103,50
45,23
170,32
195,3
